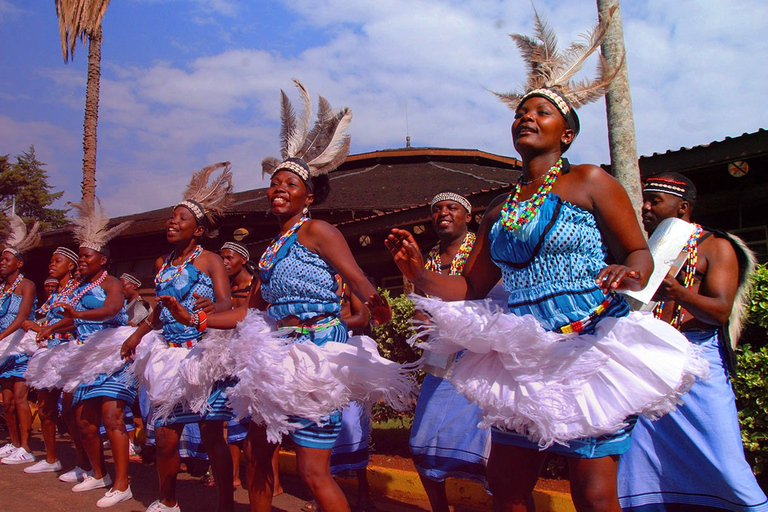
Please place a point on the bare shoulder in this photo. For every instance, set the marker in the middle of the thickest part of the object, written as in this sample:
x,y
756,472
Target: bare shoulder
x,y
208,260
111,281
589,174
719,248
494,208
27,286
159,261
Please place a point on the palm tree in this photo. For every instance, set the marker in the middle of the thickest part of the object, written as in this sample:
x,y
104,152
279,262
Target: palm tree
x,y
79,19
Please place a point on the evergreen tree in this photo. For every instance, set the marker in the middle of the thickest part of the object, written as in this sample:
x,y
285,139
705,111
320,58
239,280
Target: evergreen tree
x,y
27,182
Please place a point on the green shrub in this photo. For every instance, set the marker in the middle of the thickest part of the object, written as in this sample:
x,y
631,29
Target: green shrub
x,y
758,304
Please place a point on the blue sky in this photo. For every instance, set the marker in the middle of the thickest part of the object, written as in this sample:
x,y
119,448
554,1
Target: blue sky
x,y
186,83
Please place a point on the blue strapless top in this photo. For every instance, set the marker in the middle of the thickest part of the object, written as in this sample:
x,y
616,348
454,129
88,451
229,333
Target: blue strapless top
x,y
95,299
182,287
550,264
300,283
10,308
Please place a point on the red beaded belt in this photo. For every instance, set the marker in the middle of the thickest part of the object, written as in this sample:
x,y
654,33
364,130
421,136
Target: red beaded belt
x,y
183,344
580,325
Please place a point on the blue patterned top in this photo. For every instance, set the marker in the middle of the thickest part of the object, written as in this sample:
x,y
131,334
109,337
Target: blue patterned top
x,y
51,317
9,308
300,283
189,281
550,264
95,299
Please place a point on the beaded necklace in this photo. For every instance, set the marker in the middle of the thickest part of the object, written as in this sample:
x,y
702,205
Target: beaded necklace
x,y
267,259
61,296
74,299
8,290
510,218
434,264
159,279
689,271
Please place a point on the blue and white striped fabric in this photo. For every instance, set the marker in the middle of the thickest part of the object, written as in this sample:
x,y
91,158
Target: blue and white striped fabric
x,y
13,366
350,451
237,430
692,456
217,409
191,443
445,439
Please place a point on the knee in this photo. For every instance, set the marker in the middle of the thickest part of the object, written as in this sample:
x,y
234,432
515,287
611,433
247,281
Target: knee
x,y
113,423
313,474
594,496
166,443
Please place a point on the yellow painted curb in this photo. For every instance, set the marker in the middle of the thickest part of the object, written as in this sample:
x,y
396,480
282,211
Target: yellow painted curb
x,y
406,485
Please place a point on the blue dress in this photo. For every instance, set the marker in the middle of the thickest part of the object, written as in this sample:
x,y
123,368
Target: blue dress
x,y
301,284
15,365
549,267
52,316
113,386
189,281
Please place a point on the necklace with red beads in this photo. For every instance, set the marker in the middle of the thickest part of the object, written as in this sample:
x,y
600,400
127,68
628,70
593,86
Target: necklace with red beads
x,y
434,264
160,279
9,289
267,259
689,272
511,218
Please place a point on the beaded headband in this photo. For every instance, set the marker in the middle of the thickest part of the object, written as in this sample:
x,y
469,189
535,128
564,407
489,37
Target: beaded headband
x,y
238,248
128,277
294,165
67,253
669,186
451,196
196,208
208,196
13,251
51,280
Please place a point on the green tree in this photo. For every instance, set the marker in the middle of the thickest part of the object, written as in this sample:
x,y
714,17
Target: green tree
x,y
26,181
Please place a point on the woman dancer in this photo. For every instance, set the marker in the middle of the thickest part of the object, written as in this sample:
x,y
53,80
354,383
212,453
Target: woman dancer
x,y
546,241
17,304
61,268
185,274
97,309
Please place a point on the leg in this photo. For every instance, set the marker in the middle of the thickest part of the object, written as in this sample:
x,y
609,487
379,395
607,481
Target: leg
x,y
277,489
10,411
168,461
23,411
512,475
259,454
314,465
438,499
593,484
364,501
112,412
212,433
48,410
88,415
234,451
74,431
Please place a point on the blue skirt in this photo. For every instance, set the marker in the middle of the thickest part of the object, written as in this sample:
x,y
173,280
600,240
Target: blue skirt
x,y
217,408
694,455
116,386
445,440
14,366
237,430
350,451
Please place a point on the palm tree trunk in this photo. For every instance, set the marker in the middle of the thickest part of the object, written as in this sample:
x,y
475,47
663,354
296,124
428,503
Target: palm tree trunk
x,y
618,102
91,116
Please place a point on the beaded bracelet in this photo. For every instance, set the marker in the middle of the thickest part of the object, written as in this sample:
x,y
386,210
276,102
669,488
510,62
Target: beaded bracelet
x,y
202,320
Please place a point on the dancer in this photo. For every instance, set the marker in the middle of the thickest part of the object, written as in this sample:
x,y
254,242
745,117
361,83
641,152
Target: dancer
x,y
188,271
692,459
567,340
17,304
445,440
97,308
61,268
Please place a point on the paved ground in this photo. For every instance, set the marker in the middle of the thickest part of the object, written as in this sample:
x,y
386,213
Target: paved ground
x,y
44,493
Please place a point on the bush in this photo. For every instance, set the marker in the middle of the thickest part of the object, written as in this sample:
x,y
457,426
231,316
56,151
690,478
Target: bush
x,y
758,304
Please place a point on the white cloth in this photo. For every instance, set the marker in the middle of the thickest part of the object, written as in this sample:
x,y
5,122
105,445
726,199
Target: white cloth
x,y
100,354
554,387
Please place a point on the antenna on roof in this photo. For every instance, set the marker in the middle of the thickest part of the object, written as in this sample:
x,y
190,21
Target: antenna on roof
x,y
407,134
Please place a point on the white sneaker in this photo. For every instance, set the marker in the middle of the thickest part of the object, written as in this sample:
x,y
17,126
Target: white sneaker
x,y
6,450
114,497
20,456
159,507
91,483
44,467
75,475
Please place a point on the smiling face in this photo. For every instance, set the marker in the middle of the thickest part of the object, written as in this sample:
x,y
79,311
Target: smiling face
x,y
449,219
233,262
90,263
538,125
9,264
60,266
288,194
182,226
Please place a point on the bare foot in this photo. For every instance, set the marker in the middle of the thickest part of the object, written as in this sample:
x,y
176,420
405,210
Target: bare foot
x,y
277,491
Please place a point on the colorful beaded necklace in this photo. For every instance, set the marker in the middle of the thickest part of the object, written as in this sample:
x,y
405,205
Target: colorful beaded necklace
x,y
159,279
9,289
267,259
434,264
510,218
61,296
74,299
689,272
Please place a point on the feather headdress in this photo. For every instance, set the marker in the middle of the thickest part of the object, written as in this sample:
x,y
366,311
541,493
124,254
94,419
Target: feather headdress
x,y
551,72
206,198
19,240
90,227
310,153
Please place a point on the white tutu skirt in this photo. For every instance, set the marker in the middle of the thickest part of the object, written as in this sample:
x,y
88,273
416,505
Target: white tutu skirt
x,y
281,379
554,388
179,376
18,342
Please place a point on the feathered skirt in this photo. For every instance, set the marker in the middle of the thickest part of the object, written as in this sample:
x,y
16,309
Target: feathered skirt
x,y
281,379
555,388
15,350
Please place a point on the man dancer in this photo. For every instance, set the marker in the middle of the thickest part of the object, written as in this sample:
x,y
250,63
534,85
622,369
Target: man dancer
x,y
136,307
692,459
